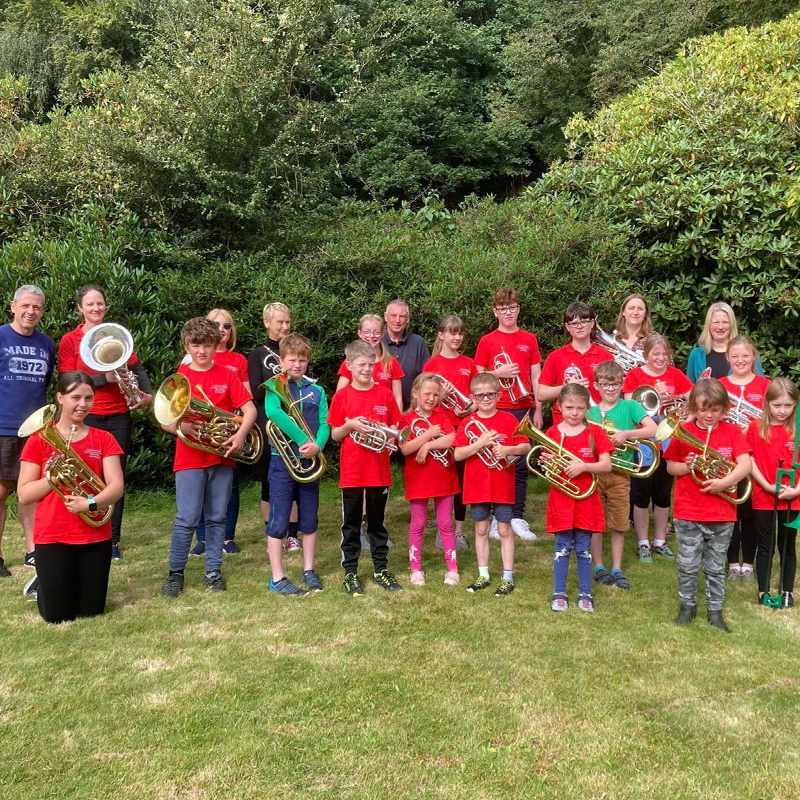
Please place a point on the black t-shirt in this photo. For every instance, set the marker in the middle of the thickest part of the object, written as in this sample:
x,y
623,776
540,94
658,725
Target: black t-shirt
x,y
718,363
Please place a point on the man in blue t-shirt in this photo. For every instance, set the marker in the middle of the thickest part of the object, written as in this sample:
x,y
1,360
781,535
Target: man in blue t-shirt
x,y
27,359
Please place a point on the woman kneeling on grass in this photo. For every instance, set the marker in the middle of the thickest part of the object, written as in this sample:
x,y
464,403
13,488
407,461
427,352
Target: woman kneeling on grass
x,y
73,558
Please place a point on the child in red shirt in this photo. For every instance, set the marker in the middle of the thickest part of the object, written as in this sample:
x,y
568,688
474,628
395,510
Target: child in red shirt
x,y
364,475
772,439
671,383
573,521
203,479
703,518
743,385
457,370
490,435
430,473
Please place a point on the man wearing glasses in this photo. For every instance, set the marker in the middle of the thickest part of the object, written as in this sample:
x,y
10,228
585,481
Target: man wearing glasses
x,y
408,348
512,356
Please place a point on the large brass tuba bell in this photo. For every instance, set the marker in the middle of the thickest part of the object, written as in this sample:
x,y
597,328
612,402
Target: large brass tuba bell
x,y
65,470
108,348
174,403
303,470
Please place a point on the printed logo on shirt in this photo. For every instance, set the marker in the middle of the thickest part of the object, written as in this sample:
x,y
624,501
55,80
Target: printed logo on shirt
x,y
384,376
523,348
725,450
94,453
380,410
231,367
465,372
585,453
218,388
27,366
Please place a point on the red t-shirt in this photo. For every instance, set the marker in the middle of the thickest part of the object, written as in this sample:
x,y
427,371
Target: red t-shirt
x,y
52,522
675,381
482,484
522,348
431,479
235,362
359,467
108,399
690,503
226,392
753,392
563,512
459,371
559,361
383,376
766,455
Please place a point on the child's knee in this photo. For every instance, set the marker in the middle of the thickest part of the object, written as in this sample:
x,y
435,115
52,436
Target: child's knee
x,y
504,530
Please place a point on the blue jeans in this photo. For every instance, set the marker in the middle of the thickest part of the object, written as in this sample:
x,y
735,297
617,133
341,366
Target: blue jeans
x,y
231,514
200,491
566,541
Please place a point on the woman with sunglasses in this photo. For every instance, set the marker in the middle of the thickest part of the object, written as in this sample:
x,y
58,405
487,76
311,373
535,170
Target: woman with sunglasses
x,y
236,362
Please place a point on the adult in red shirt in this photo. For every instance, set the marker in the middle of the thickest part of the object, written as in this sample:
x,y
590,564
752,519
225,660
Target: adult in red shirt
x,y
512,356
73,558
704,519
110,411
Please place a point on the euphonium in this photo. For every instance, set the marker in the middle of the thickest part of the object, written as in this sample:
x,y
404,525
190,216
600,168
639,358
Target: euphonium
x,y
709,464
456,401
380,437
303,470
626,357
620,463
552,468
174,404
418,426
65,470
742,412
511,385
107,348
474,429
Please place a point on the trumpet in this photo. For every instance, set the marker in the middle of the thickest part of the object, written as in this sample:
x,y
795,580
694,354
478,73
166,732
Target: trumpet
x,y
107,348
511,385
709,464
380,437
552,468
626,357
418,426
621,461
174,404
456,401
742,412
300,471
65,470
474,429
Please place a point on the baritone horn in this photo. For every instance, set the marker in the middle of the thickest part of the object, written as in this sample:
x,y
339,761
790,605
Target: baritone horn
x,y
708,464
65,470
108,348
303,470
174,404
620,461
552,468
514,386
474,429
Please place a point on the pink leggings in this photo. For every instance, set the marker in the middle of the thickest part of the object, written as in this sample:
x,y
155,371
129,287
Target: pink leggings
x,y
416,531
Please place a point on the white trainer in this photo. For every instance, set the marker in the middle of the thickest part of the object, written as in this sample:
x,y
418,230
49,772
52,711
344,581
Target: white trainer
x,y
493,534
523,530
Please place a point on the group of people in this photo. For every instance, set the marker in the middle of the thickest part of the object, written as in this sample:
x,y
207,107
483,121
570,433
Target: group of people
x,y
468,432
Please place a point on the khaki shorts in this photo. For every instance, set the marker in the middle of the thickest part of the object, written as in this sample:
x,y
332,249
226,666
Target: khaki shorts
x,y
615,492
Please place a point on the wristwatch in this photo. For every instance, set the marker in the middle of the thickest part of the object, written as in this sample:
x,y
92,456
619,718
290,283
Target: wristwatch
x,y
92,503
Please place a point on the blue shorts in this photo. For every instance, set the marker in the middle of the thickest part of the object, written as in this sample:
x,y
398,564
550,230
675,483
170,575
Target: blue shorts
x,y
284,491
502,512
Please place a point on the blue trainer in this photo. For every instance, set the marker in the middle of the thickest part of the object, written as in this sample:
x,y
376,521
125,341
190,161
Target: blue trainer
x,y
285,586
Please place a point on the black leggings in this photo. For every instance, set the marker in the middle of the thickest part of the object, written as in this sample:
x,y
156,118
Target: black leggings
x,y
459,507
764,526
658,488
744,532
73,579
120,427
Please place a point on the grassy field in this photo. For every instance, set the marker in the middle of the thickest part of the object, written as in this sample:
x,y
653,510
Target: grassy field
x,y
425,693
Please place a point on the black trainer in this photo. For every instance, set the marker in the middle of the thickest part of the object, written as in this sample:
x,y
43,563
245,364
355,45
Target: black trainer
x,y
173,585
5,572
30,559
715,619
686,615
352,585
215,582
31,590
386,580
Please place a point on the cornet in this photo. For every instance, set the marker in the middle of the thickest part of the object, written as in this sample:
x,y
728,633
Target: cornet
x,y
709,464
742,412
575,374
380,437
474,429
552,468
418,426
456,401
107,348
65,470
514,386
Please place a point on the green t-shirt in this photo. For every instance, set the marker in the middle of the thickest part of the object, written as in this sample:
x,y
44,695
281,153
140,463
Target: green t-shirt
x,y
624,416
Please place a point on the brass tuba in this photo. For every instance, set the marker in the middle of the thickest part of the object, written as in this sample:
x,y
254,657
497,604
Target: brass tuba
x,y
456,401
551,469
174,403
303,470
511,385
474,429
418,426
620,463
709,464
65,470
107,348
380,437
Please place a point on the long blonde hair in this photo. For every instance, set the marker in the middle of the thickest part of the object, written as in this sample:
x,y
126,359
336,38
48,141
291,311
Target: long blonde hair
x,y
706,340
384,356
449,324
777,388
416,387
213,313
622,324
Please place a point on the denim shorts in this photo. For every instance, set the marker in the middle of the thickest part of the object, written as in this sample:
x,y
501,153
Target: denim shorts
x,y
480,511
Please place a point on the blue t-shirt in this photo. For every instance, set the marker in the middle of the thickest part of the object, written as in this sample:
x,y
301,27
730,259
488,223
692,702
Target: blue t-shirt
x,y
26,366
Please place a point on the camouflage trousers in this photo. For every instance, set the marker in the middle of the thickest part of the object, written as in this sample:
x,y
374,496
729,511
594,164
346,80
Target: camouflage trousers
x,y
706,543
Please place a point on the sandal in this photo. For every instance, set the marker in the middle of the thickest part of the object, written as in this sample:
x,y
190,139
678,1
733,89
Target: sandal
x,y
603,577
559,602
620,581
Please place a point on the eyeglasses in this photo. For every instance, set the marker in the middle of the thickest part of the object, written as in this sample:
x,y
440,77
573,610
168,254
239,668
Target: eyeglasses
x,y
485,396
372,334
226,325
579,323
507,309
614,385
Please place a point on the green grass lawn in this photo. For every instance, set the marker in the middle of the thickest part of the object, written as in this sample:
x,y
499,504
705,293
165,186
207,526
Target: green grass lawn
x,y
425,693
